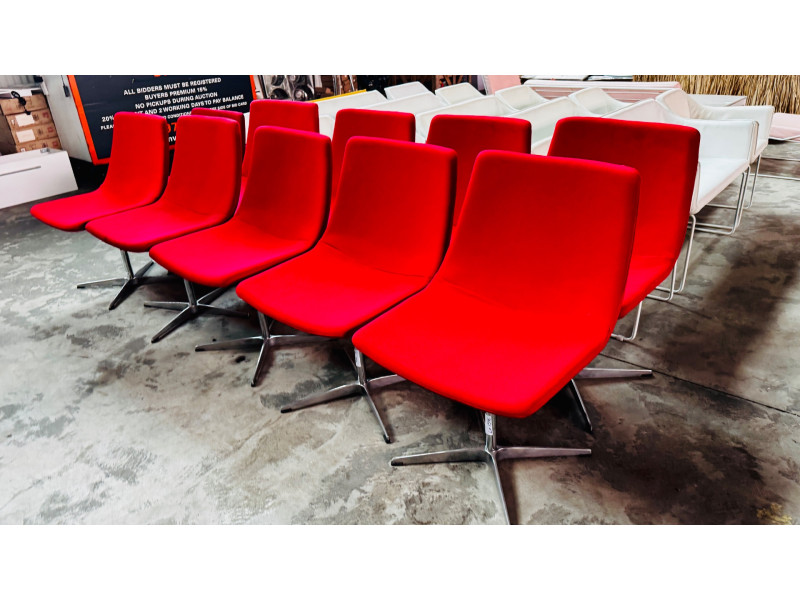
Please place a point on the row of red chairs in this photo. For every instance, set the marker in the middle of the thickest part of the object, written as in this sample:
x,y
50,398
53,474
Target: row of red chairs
x,y
402,247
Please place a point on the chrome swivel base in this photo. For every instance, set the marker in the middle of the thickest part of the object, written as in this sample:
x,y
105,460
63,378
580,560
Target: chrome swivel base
x,y
129,283
191,309
362,386
491,454
265,342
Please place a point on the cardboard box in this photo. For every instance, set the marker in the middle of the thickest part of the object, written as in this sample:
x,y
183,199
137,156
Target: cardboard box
x,y
12,106
11,148
37,117
27,134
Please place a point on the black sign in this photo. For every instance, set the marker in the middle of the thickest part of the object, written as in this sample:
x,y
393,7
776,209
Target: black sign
x,y
99,97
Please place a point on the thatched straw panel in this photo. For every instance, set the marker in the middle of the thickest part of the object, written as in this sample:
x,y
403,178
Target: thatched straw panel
x,y
781,91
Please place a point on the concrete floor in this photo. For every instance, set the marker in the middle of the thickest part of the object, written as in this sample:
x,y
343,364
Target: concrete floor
x,y
98,425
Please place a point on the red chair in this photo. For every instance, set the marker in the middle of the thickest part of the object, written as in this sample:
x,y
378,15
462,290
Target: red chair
x,y
666,157
202,191
469,135
378,249
552,293
276,220
137,174
234,115
373,123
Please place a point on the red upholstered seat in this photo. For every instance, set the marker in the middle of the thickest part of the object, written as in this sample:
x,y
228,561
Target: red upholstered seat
x,y
551,293
202,190
373,123
137,173
234,115
277,218
666,157
469,134
378,248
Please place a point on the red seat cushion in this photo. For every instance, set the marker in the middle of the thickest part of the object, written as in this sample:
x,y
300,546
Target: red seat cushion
x,y
666,157
326,292
202,189
547,297
138,230
378,248
137,173
479,352
277,218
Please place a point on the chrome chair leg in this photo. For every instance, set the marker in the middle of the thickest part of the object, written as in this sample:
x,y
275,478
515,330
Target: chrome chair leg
x,y
629,338
263,342
491,454
692,226
600,373
362,386
191,309
728,229
129,283
753,187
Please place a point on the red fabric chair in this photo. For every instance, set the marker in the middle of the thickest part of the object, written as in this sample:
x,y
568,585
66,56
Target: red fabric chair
x,y
137,174
236,116
202,191
666,157
276,220
373,123
378,249
469,135
552,293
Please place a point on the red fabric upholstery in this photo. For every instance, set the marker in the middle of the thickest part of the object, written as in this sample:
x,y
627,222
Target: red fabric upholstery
x,y
278,113
666,158
378,248
137,173
551,294
281,215
468,135
226,114
373,123
202,190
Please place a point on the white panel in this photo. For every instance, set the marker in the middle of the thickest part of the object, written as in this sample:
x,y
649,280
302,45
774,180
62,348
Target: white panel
x,y
34,175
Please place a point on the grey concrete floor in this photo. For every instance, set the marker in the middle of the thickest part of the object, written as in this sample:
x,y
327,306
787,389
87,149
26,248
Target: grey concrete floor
x,y
98,425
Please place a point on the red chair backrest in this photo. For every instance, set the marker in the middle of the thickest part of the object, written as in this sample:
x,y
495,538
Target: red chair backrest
x,y
279,113
394,205
289,189
468,135
665,156
547,235
139,163
225,114
373,123
207,166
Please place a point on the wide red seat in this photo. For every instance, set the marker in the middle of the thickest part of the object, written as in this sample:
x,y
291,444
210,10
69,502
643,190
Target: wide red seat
x,y
276,220
551,293
666,157
378,248
202,191
137,172
470,135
